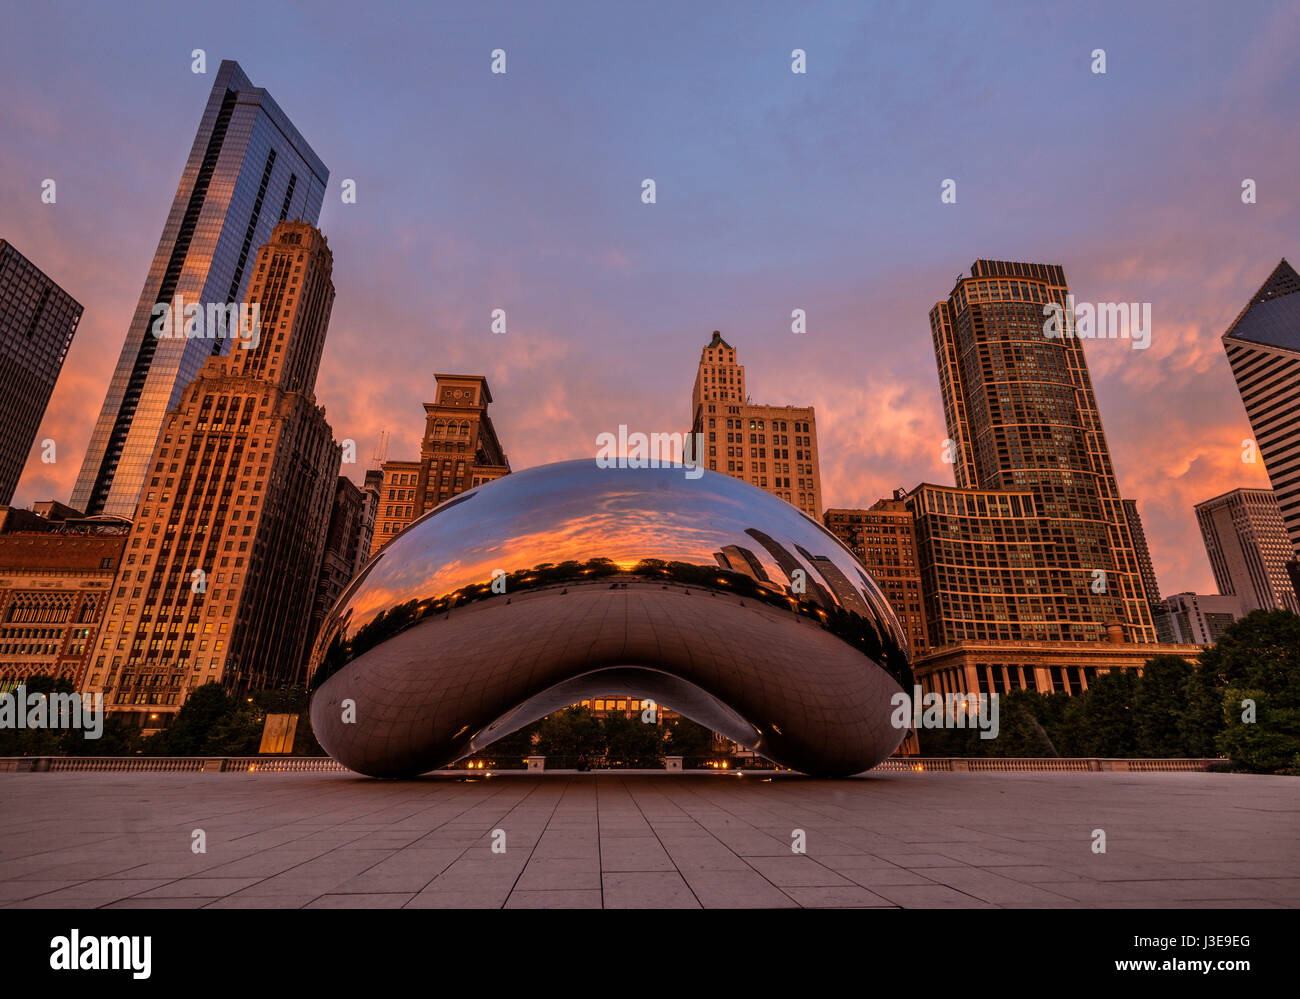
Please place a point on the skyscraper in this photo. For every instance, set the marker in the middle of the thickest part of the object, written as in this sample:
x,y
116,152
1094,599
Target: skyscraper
x,y
1022,417
1030,571
225,551
1146,567
1263,348
1248,547
772,447
338,560
459,451
37,322
248,169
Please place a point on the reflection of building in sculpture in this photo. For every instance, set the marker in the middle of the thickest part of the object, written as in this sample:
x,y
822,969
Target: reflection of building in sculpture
x,y
884,540
459,451
222,565
772,447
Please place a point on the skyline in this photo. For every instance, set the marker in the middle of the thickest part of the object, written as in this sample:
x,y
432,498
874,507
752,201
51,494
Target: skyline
x,y
645,297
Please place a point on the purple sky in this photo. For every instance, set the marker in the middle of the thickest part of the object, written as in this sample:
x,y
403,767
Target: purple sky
x,y
775,191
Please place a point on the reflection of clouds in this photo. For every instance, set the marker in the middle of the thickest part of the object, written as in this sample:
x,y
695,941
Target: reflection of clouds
x,y
576,512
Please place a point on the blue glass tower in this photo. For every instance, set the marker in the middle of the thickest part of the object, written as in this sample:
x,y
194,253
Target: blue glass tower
x,y
248,169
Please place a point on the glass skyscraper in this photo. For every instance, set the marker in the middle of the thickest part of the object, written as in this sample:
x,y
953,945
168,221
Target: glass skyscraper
x,y
1263,347
37,322
248,169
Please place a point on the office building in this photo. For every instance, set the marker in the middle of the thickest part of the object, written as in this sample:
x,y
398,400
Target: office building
x,y
56,574
459,450
1263,348
248,169
224,557
38,320
1195,618
772,447
1247,543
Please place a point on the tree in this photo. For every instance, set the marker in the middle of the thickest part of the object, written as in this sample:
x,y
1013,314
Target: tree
x,y
574,731
1160,704
517,744
36,741
1201,720
1104,717
1258,661
633,742
688,738
188,733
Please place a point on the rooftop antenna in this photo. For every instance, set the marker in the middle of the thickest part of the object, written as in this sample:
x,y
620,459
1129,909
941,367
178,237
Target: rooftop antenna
x,y
381,448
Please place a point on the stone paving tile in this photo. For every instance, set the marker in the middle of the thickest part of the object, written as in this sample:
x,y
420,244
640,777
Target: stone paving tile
x,y
931,896
648,890
555,899
649,840
549,875
852,897
159,903
792,870
736,890
17,890
638,853
90,894
361,900
200,888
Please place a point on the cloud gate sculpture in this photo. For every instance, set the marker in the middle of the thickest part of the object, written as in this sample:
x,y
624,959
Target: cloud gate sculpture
x,y
706,595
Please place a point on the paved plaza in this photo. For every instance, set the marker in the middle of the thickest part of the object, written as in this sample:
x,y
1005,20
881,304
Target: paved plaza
x,y
619,840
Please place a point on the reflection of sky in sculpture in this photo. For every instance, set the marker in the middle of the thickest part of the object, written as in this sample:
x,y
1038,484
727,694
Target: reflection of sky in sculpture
x,y
576,511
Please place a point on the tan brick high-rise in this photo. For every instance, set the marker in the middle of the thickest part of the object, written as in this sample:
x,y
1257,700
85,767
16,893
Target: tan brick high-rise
x,y
772,447
459,451
219,573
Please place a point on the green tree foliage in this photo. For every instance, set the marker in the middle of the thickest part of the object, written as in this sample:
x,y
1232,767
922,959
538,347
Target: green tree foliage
x,y
37,741
632,742
571,732
688,738
210,723
1160,703
1258,660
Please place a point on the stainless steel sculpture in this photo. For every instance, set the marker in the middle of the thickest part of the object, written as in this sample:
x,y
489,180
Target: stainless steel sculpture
x,y
527,594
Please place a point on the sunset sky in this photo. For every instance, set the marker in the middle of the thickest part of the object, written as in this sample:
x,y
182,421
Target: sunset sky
x,y
775,191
